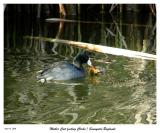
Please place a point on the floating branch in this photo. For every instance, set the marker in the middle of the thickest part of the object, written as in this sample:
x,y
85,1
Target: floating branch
x,y
100,48
55,20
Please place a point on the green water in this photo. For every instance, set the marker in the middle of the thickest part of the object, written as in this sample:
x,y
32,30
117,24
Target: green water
x,y
124,94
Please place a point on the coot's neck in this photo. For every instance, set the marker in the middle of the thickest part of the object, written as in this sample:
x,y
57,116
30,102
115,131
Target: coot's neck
x,y
77,64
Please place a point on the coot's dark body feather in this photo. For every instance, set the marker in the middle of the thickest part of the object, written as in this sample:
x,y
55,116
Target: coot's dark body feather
x,y
62,71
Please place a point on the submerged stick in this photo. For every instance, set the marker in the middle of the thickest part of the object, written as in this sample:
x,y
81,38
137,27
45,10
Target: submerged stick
x,y
101,48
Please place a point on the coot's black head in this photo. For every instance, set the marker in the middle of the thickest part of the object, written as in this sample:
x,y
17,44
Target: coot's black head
x,y
82,58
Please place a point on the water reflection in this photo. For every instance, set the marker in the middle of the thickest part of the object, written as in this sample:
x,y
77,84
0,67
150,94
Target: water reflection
x,y
126,93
